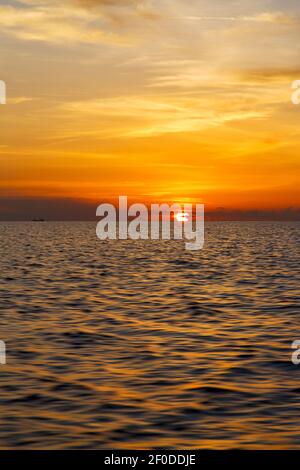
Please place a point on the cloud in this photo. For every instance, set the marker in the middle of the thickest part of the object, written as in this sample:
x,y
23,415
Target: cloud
x,y
58,24
121,11
99,3
73,21
278,17
134,116
263,75
20,99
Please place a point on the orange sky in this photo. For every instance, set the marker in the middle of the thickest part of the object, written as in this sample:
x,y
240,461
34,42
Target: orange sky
x,y
161,101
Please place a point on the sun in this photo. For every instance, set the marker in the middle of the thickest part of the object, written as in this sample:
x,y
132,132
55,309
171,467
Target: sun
x,y
182,217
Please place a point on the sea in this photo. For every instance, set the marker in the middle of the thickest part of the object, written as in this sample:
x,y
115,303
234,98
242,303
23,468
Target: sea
x,y
140,344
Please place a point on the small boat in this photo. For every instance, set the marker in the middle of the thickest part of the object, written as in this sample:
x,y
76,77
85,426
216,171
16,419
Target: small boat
x,y
38,219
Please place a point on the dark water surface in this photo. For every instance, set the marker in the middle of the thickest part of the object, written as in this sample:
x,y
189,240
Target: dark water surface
x,y
140,344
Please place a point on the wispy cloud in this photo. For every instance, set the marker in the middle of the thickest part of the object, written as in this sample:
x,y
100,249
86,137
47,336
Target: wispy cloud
x,y
139,117
19,99
279,18
56,24
72,21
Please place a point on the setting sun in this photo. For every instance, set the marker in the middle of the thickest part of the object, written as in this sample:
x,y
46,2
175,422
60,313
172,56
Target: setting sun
x,y
182,217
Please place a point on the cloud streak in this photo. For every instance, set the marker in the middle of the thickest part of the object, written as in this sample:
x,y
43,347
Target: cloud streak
x,y
81,21
279,18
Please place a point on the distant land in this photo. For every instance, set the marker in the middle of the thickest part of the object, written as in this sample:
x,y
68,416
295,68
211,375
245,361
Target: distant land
x,y
60,209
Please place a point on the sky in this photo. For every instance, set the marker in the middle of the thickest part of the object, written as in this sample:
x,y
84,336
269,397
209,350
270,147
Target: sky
x,y
160,100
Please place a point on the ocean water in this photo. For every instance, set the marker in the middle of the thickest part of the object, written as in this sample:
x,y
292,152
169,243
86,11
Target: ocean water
x,y
144,345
